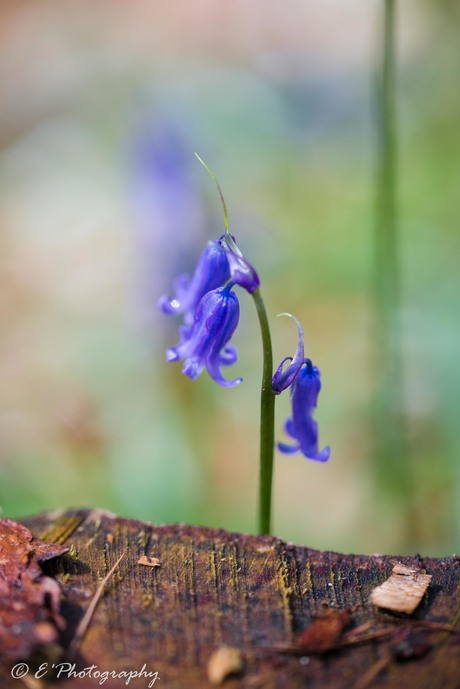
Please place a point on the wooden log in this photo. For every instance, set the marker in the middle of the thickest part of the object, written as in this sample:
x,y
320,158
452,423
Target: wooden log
x,y
211,588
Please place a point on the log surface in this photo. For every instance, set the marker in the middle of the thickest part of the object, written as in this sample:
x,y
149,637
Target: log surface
x,y
255,593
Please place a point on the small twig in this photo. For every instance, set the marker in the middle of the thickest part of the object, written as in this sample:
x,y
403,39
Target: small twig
x,y
374,670
361,634
86,619
364,627
434,626
352,639
349,639
281,647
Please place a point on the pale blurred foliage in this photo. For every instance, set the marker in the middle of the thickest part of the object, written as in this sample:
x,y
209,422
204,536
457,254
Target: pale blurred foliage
x,y
277,97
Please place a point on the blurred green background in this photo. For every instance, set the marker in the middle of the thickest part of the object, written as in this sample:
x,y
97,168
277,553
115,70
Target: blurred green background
x,y
102,202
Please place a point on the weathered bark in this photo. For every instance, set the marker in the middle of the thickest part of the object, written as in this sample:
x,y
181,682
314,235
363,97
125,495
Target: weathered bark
x,y
255,593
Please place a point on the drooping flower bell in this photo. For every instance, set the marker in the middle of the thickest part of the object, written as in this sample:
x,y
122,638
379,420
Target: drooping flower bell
x,y
212,271
205,343
302,427
284,378
241,271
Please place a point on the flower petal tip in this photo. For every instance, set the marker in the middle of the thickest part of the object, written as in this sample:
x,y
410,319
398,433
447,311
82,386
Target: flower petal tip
x,y
171,354
322,456
228,383
168,305
287,449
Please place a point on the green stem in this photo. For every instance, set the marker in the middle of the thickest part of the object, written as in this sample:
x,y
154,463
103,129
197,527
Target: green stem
x,y
393,470
267,419
387,280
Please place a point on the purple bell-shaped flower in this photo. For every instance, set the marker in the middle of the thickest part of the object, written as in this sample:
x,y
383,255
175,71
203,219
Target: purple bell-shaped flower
x,y
212,271
205,343
302,427
241,271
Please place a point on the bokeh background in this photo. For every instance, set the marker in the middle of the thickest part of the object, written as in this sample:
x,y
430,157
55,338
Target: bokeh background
x,y
102,202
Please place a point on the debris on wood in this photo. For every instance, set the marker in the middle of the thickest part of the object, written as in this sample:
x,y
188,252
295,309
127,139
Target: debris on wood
x,y
403,645
368,678
149,561
402,591
176,621
225,661
325,631
87,617
329,633
29,600
410,645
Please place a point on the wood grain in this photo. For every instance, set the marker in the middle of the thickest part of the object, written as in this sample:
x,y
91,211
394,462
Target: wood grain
x,y
254,593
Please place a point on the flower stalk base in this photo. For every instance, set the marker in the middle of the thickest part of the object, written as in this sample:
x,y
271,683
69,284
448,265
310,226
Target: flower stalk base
x,y
267,419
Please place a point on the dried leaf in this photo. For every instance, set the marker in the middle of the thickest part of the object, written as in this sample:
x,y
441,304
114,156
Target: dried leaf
x,y
402,591
29,600
325,631
149,561
225,661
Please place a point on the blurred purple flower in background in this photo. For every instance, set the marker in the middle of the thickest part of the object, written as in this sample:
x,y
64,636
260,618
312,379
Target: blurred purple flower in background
x,y
167,206
205,343
302,427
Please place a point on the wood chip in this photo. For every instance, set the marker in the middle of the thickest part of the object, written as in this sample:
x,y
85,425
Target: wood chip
x,y
149,561
225,661
403,591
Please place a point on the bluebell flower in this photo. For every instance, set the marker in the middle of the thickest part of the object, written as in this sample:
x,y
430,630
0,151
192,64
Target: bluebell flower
x,y
283,379
241,271
302,427
204,344
212,271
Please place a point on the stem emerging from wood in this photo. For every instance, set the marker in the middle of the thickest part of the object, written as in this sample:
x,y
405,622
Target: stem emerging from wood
x,y
267,420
